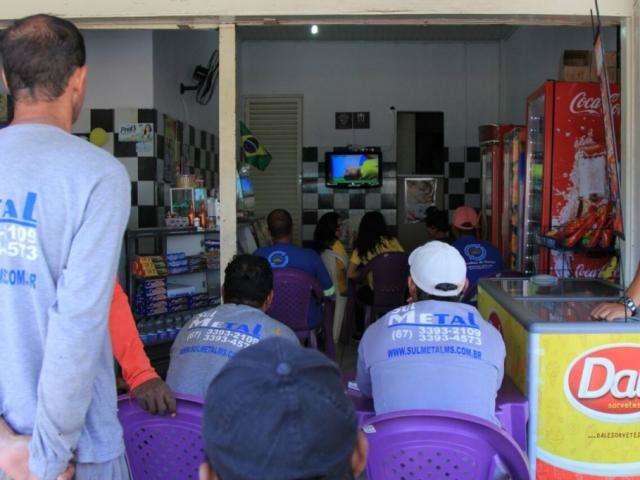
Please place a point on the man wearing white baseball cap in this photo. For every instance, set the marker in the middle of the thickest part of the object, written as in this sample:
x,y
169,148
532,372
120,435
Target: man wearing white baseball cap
x,y
435,353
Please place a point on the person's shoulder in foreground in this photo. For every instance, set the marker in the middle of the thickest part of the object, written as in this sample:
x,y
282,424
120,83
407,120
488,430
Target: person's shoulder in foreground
x,y
209,339
274,392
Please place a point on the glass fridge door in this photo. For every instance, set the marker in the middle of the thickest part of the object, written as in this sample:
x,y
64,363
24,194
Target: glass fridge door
x,y
507,189
534,183
486,157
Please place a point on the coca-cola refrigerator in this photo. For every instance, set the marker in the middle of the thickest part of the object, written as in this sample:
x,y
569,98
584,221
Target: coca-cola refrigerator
x,y
566,178
492,186
513,162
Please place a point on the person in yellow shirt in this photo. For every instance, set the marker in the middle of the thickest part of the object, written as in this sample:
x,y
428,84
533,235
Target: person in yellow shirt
x,y
372,240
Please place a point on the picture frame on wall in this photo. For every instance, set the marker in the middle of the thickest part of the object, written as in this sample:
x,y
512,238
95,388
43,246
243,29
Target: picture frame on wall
x,y
361,120
419,195
344,120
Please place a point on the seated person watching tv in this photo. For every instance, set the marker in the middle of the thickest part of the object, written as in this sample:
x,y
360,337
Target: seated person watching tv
x,y
211,338
435,353
284,254
290,402
482,258
437,225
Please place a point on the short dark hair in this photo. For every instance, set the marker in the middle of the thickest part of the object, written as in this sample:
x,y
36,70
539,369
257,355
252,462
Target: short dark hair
x,y
39,55
422,296
438,219
248,280
280,223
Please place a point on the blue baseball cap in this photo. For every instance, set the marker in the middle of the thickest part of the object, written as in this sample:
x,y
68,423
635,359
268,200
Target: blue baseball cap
x,y
278,411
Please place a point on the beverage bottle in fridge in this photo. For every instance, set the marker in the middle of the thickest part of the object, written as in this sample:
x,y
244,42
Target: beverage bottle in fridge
x,y
191,215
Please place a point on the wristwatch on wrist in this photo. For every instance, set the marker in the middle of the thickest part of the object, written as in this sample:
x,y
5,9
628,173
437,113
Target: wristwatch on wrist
x,y
631,305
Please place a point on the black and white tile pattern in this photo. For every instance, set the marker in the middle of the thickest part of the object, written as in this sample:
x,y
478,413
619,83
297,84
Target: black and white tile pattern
x,y
351,204
462,174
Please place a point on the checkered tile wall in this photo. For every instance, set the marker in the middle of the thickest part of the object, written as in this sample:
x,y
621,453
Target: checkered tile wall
x,y
462,173
351,204
149,189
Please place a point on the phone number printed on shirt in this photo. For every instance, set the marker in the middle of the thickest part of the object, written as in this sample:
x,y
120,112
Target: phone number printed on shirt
x,y
472,336
19,241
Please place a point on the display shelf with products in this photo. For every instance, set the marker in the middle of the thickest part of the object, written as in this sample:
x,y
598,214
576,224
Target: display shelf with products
x,y
172,274
514,174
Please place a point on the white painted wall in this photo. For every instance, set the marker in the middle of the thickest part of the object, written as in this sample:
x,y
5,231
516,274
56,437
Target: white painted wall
x,y
120,68
175,55
532,55
460,79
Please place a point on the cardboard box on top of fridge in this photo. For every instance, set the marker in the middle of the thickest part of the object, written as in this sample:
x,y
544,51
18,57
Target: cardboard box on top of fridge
x,y
575,66
579,66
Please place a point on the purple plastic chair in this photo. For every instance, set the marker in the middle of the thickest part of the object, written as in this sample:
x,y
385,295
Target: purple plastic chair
x,y
429,444
389,271
158,447
294,290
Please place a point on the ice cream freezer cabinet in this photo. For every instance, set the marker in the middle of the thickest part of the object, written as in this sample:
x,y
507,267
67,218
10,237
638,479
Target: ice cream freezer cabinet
x,y
581,377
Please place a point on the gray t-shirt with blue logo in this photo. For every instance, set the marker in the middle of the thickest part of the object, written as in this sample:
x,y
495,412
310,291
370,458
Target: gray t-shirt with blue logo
x,y
64,205
210,339
432,355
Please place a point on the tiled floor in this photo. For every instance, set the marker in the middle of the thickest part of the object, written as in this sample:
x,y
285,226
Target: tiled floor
x,y
347,357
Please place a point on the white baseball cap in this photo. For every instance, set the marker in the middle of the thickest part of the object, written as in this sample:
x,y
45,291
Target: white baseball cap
x,y
438,269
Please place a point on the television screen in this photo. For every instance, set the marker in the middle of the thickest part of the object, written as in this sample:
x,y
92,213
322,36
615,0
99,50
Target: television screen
x,y
244,186
353,170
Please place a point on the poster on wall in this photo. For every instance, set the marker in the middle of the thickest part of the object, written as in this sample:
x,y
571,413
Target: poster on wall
x,y
171,152
419,194
612,161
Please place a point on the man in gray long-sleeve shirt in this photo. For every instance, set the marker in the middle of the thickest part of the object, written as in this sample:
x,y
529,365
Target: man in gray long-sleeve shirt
x,y
63,208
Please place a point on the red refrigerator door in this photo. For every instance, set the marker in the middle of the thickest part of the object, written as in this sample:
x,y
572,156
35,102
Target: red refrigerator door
x,y
578,172
490,156
537,199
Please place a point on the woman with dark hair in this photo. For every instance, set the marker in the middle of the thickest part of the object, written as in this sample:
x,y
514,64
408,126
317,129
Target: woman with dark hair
x,y
326,237
326,241
372,240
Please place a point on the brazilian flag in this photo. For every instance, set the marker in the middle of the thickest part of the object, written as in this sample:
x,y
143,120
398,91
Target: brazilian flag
x,y
254,153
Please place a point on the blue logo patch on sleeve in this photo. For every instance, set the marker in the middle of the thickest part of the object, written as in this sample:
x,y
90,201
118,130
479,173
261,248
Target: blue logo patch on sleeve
x,y
475,252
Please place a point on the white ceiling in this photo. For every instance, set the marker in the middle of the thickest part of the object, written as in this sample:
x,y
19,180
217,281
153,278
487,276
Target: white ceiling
x,y
402,33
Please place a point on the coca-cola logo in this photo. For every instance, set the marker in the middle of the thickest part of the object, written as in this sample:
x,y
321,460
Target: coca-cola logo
x,y
582,271
604,383
582,104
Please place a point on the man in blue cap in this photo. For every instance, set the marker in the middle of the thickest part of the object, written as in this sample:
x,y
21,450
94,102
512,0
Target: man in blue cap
x,y
278,411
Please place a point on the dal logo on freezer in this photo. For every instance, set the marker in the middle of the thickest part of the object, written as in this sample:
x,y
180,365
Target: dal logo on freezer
x,y
604,383
582,104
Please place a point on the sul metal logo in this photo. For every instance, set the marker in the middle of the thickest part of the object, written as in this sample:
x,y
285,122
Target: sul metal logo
x,y
604,383
583,104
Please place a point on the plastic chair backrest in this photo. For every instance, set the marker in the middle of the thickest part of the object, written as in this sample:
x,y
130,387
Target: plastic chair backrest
x,y
161,447
293,291
390,271
329,258
440,445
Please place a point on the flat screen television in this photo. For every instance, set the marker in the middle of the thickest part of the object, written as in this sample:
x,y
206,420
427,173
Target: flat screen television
x,y
353,169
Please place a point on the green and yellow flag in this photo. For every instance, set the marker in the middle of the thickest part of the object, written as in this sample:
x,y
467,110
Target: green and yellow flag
x,y
254,153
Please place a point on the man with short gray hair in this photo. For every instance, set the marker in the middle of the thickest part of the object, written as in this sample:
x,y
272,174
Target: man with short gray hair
x,y
64,205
